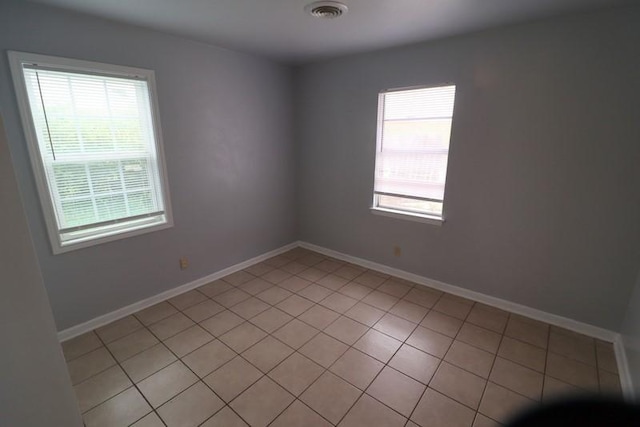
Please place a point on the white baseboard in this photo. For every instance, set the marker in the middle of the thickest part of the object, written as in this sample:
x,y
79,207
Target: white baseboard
x,y
553,319
543,316
92,324
623,368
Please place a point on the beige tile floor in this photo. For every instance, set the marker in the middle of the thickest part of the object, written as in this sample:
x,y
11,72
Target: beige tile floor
x,y
305,340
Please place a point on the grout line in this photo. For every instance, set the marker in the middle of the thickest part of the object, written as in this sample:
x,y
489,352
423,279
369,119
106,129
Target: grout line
x,y
513,307
243,358
595,354
83,354
179,359
95,373
162,342
502,335
342,354
426,386
385,364
546,363
435,371
484,390
297,398
343,264
133,385
351,346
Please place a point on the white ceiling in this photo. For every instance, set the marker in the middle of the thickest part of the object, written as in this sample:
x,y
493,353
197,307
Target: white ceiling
x,y
282,30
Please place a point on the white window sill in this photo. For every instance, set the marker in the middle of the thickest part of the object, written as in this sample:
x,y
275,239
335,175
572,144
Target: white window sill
x,y
407,216
110,235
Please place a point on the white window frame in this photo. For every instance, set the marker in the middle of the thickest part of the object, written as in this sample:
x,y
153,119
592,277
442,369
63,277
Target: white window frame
x,y
109,232
396,213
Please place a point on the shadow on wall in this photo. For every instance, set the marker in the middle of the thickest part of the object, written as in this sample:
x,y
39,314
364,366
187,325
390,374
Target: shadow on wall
x,y
36,389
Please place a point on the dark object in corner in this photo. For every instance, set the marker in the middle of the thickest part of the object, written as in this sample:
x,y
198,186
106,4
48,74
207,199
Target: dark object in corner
x,y
584,412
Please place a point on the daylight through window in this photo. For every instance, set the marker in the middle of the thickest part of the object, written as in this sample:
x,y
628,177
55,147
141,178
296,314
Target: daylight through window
x,y
414,128
94,147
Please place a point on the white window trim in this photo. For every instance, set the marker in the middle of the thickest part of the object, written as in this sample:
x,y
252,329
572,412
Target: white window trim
x,y
437,220
16,59
407,216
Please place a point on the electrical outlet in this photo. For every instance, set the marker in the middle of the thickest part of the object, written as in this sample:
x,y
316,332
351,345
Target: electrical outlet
x,y
184,263
397,251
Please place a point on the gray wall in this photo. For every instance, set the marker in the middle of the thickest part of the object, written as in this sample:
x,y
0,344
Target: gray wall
x,y
543,190
631,337
543,187
36,389
226,120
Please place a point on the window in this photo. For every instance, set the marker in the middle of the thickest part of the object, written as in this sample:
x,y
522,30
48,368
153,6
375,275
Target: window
x,y
95,146
414,127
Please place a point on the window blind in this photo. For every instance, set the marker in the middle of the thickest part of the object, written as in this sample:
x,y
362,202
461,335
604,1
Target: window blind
x,y
96,141
413,145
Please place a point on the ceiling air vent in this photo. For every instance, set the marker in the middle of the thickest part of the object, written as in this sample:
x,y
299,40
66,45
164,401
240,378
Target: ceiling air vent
x,y
326,9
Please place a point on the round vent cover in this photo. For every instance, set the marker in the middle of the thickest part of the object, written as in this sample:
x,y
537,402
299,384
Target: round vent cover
x,y
326,9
